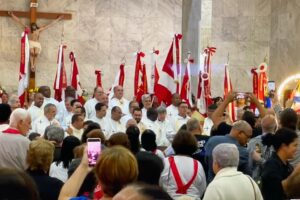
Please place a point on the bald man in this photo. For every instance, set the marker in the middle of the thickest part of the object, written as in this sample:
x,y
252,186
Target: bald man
x,y
239,135
91,103
119,100
35,110
259,153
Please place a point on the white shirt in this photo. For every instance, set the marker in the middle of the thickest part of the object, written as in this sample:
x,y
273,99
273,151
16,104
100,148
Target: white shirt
x,y
35,112
58,171
89,107
76,132
67,121
172,111
177,122
49,100
103,122
208,124
185,166
232,184
122,103
144,114
114,127
125,118
41,123
164,131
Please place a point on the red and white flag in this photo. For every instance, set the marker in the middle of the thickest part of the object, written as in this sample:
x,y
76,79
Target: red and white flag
x,y
186,93
170,78
98,78
60,82
263,82
208,52
154,72
119,80
227,89
75,82
140,77
24,67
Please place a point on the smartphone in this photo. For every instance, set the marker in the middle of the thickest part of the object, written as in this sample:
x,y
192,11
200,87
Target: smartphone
x,y
94,150
271,85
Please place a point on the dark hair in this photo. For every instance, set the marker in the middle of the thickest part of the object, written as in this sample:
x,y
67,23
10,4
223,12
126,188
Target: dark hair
x,y
133,134
151,192
66,154
246,108
75,117
88,122
115,108
91,126
18,185
149,162
282,136
32,136
288,119
249,117
119,139
96,133
152,114
212,106
136,109
217,99
182,102
183,127
74,101
148,140
5,111
184,143
98,106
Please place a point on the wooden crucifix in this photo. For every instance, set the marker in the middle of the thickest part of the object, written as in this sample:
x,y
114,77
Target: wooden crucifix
x,y
35,47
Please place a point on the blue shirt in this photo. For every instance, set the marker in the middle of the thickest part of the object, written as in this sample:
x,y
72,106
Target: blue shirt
x,y
213,142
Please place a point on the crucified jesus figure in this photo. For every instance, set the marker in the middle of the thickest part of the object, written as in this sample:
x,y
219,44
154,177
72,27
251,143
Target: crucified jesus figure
x,y
34,44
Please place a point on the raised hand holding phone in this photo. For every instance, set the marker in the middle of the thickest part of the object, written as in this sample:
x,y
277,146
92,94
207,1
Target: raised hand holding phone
x,y
93,150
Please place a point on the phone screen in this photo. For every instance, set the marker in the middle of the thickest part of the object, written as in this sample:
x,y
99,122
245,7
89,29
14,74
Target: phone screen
x,y
94,150
271,85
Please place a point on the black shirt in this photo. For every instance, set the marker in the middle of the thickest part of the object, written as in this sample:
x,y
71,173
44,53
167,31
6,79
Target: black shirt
x,y
274,171
200,153
48,187
222,129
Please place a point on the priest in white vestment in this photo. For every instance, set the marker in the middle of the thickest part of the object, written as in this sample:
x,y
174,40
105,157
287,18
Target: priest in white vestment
x,y
208,123
137,116
76,127
46,92
147,103
91,103
41,123
172,110
132,106
114,123
35,110
100,118
119,100
64,111
164,127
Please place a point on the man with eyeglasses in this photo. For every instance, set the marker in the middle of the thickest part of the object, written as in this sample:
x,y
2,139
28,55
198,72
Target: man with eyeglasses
x,y
239,135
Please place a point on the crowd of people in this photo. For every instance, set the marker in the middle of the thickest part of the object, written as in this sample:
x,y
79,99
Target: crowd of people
x,y
148,150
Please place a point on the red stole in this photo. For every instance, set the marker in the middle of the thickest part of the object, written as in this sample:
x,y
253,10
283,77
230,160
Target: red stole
x,y
12,131
181,188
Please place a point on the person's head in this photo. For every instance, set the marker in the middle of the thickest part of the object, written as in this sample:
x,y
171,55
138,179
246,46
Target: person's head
x,y
285,141
54,134
33,27
211,109
34,136
217,100
241,131
131,122
103,98
20,119
182,109
75,103
119,139
77,121
66,155
193,126
80,110
162,113
225,155
132,105
133,133
91,126
98,91
17,184
249,117
146,100
152,114
116,168
148,140
38,99
96,133
4,98
138,191
70,92
50,111
137,115
118,91
100,110
14,102
5,113
68,101
45,90
288,119
149,162
40,155
269,124
184,143
116,113
176,99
